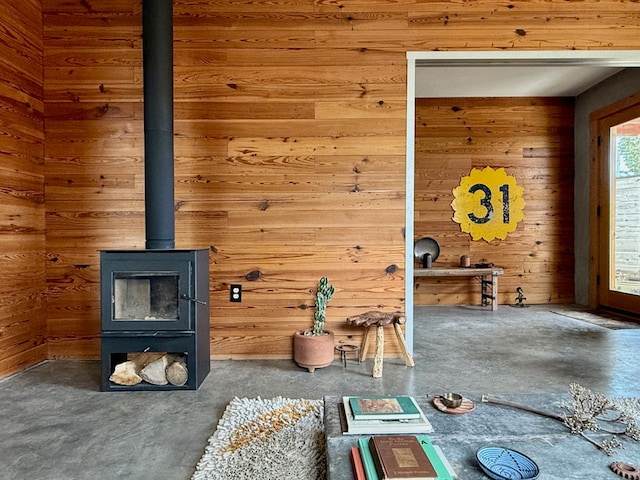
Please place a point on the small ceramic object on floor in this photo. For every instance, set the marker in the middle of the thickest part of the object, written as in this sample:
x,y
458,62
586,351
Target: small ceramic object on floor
x,y
625,470
505,464
451,400
465,406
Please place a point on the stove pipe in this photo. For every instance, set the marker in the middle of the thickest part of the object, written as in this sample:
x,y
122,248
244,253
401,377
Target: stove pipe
x,y
157,60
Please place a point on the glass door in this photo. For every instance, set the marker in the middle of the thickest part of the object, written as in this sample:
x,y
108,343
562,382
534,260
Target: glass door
x,y
147,291
619,210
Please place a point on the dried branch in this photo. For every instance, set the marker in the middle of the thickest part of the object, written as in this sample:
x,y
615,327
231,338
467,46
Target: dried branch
x,y
498,401
589,411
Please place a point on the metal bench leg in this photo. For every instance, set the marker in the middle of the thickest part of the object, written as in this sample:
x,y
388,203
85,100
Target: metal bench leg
x,y
489,286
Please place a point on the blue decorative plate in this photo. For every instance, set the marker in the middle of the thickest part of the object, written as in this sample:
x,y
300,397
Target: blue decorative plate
x,y
504,464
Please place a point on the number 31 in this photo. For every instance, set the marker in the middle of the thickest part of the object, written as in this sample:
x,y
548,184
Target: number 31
x,y
485,201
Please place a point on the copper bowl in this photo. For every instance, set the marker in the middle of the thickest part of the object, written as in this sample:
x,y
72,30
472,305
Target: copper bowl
x,y
451,400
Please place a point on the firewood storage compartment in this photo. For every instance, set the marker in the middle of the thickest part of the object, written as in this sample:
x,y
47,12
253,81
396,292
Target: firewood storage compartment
x,y
155,301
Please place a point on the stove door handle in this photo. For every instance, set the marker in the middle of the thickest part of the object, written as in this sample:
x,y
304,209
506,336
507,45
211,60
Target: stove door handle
x,y
184,296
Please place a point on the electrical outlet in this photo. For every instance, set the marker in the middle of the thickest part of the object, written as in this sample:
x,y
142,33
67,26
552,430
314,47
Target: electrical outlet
x,y
235,293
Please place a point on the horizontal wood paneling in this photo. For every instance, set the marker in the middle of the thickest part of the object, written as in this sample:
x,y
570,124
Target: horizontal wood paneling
x,y
290,143
23,328
538,256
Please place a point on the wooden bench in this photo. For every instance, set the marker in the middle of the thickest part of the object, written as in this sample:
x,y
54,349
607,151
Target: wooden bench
x,y
488,280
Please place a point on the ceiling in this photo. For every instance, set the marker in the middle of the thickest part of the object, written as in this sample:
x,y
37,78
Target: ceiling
x,y
513,73
440,81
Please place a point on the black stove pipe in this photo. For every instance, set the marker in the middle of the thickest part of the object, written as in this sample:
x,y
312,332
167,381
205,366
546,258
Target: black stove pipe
x,y
157,59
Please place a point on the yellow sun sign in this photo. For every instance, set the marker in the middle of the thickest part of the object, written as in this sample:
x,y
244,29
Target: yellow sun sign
x,y
488,204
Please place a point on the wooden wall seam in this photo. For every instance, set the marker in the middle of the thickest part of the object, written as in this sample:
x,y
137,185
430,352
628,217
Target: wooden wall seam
x,y
23,327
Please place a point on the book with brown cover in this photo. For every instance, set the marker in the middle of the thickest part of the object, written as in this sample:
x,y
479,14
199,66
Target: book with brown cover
x,y
400,457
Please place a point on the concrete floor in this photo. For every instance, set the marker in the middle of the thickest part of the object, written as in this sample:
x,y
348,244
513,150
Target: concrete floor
x,y
55,424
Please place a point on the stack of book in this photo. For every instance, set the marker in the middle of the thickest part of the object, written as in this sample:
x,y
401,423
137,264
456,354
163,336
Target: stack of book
x,y
383,415
399,457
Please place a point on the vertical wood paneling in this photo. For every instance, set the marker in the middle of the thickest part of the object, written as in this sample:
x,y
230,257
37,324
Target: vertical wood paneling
x,y
532,139
22,227
290,145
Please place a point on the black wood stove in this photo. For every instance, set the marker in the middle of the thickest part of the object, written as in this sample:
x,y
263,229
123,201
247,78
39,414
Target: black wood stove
x,y
156,299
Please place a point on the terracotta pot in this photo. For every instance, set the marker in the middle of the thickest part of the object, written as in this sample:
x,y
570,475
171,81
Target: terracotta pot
x,y
312,352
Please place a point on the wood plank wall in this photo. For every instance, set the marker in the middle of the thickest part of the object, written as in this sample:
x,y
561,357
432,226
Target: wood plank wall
x,y
23,327
532,139
94,146
290,128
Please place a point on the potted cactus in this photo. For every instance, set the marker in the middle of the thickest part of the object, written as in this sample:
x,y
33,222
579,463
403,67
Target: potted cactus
x,y
314,348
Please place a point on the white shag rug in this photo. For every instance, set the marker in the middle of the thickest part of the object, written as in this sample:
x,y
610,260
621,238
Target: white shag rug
x,y
280,438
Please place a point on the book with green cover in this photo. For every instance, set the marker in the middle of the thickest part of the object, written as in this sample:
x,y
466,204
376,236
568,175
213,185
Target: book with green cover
x,y
438,460
443,472
374,426
367,459
400,407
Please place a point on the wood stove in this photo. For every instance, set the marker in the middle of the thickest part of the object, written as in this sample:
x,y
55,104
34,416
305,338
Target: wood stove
x,y
155,301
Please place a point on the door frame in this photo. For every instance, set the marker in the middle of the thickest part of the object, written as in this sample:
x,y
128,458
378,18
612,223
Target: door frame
x,y
545,58
597,188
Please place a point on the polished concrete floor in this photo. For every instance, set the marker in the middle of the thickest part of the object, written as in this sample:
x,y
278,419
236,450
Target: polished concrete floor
x,y
55,424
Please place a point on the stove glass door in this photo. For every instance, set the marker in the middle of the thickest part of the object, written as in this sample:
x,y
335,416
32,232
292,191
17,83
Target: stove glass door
x,y
144,296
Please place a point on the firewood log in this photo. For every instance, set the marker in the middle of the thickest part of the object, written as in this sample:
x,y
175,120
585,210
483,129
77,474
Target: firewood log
x,y
155,372
177,373
126,373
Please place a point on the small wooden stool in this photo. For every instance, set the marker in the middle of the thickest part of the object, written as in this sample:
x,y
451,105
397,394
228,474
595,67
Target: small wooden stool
x,y
379,320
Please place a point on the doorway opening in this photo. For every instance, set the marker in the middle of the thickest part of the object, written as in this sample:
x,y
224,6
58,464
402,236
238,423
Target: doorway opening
x,y
518,73
616,197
